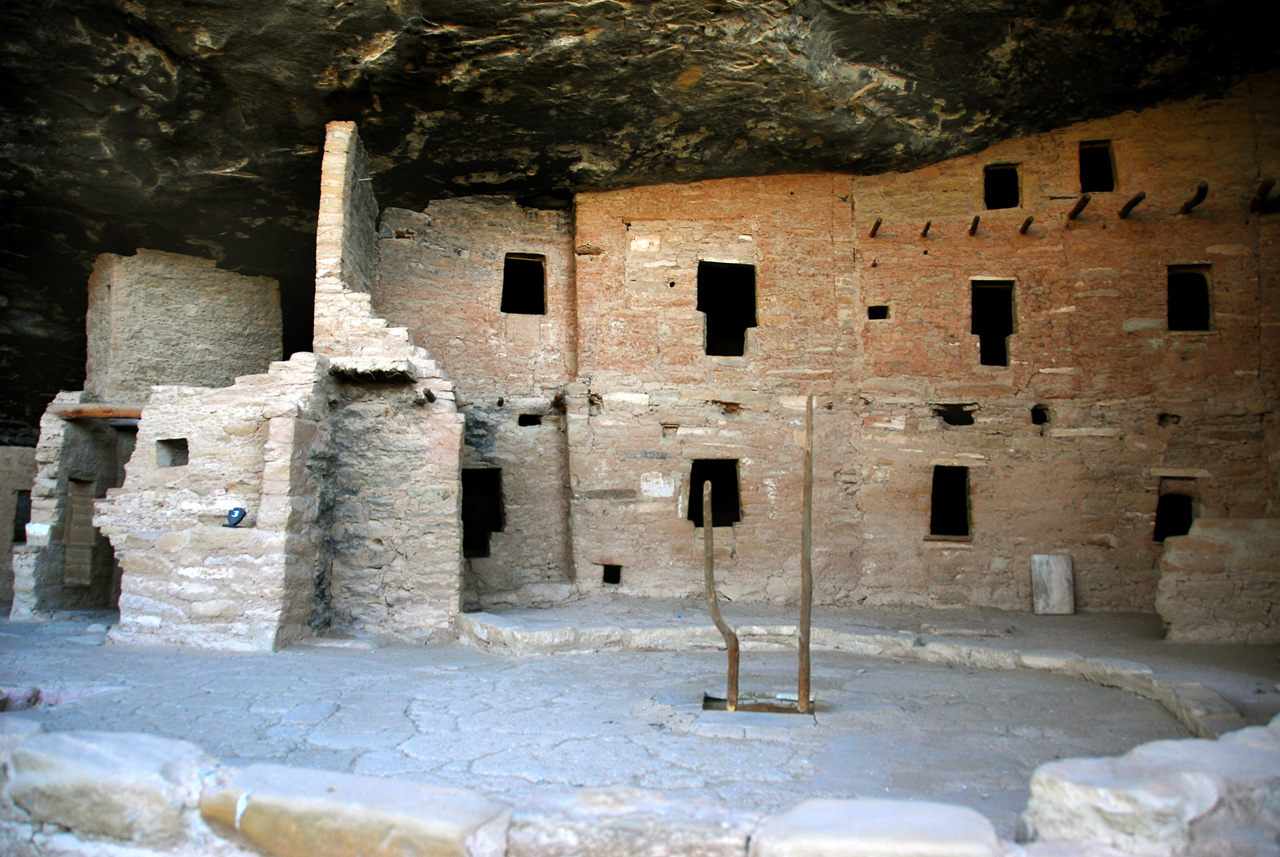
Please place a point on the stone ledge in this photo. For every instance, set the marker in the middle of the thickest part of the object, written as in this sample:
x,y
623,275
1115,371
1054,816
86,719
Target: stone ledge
x,y
1203,712
874,828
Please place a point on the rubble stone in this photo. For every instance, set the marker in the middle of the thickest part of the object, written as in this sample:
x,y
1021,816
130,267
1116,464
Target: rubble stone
x,y
130,787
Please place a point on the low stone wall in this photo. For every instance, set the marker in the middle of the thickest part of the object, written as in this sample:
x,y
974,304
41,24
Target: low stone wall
x,y
188,579
96,793
1220,582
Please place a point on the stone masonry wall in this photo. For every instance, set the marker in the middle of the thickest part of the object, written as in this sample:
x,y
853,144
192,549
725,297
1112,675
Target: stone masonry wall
x,y
161,318
392,559
17,470
257,445
1220,583
441,274
1131,405
92,452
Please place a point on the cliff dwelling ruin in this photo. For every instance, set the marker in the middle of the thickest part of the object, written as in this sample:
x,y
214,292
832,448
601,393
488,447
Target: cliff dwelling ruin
x,y
1044,370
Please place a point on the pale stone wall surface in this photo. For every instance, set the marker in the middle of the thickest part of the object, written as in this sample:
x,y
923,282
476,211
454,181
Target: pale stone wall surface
x,y
88,450
1220,583
257,445
162,318
440,273
17,470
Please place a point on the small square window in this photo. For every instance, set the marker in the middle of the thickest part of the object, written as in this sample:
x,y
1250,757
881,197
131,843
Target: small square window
x,y
612,574
1189,297
1000,186
171,452
524,284
1097,167
877,312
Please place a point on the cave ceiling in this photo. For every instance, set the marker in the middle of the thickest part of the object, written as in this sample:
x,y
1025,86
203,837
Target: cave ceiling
x,y
196,127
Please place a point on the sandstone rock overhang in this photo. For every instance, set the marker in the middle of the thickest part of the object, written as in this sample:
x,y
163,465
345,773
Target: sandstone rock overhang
x,y
197,128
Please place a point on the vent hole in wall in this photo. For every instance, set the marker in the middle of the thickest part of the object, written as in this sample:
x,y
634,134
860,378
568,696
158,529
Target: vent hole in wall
x,y
529,420
955,415
877,312
1039,415
612,574
172,452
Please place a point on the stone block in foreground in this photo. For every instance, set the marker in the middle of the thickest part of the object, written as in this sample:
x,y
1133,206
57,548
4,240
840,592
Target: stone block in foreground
x,y
299,812
125,786
1166,797
13,731
876,828
624,822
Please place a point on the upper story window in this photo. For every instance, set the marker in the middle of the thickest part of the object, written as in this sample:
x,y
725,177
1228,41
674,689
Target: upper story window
x,y
524,284
1189,297
727,294
1000,187
1097,167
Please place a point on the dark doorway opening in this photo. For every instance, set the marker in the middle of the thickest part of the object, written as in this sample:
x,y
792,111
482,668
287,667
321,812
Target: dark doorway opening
x,y
992,320
1188,298
1174,514
1097,167
722,473
1000,186
524,284
21,516
613,573
727,295
949,501
481,509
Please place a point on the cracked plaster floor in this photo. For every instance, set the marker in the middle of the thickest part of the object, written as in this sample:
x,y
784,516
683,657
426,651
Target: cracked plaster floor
x,y
510,727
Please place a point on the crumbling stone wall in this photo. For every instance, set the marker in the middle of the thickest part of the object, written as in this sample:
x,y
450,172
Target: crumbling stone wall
x,y
256,445
1220,583
92,453
162,318
17,469
441,274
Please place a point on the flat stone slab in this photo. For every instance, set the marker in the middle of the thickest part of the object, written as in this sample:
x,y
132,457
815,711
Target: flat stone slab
x,y
876,828
626,822
1053,584
121,785
302,812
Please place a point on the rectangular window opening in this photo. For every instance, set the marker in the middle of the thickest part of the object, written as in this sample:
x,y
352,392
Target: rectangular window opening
x,y
481,509
1000,186
1189,297
524,284
727,295
1175,510
529,420
722,473
878,312
949,501
172,452
612,574
1097,167
21,516
992,320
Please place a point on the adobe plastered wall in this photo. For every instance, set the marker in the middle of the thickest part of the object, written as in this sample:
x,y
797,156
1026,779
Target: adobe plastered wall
x,y
256,445
1090,343
390,508
162,318
93,453
440,274
17,469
